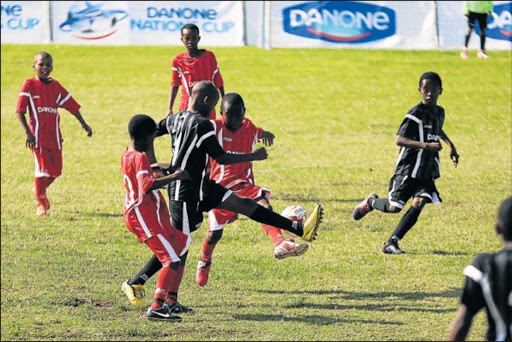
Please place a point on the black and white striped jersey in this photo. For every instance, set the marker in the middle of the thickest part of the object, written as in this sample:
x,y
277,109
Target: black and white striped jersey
x,y
423,125
193,142
489,284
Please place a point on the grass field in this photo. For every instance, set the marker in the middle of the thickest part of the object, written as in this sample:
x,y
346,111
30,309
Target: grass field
x,y
335,114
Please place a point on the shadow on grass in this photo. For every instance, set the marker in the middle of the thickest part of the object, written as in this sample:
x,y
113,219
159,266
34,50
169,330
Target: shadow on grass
x,y
450,293
97,214
439,252
371,307
310,319
305,198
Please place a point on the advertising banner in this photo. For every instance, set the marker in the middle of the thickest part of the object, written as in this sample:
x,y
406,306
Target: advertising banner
x,y
25,22
358,24
453,25
220,23
146,22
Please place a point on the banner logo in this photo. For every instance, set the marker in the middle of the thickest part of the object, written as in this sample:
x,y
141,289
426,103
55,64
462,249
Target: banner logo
x,y
499,24
90,22
340,21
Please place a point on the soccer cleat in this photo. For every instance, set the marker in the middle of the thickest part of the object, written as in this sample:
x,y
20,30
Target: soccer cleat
x,y
161,315
41,210
391,248
363,208
289,248
464,54
482,54
135,293
177,308
203,270
310,227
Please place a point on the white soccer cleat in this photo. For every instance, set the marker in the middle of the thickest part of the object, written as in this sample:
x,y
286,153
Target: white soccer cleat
x,y
289,248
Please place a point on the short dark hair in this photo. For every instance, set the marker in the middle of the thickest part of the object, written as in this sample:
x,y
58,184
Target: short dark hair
x,y
190,27
430,75
232,99
505,219
141,126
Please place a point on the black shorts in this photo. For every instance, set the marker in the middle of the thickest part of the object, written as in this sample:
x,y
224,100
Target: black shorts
x,y
188,216
402,188
480,17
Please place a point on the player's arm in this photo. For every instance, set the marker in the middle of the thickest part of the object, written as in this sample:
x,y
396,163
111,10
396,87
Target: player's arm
x,y
460,327
267,138
454,156
221,89
30,141
85,126
172,98
163,181
411,143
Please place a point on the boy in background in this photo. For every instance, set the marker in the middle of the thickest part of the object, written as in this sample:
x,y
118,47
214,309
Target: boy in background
x,y
237,134
476,11
417,166
192,66
146,214
42,96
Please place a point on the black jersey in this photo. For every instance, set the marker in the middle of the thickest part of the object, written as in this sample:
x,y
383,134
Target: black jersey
x,y
193,142
423,125
489,284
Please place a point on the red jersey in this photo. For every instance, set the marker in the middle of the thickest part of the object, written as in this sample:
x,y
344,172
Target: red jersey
x,y
242,141
42,101
138,178
187,71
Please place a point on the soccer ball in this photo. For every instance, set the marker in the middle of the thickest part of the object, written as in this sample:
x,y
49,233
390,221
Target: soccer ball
x,y
294,213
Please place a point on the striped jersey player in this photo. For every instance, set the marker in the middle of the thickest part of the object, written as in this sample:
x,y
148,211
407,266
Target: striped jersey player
x,y
417,167
192,66
42,96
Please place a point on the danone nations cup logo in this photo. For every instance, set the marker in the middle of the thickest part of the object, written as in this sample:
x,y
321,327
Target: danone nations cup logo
x,y
87,20
340,21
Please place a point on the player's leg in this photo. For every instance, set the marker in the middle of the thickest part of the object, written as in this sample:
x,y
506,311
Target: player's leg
x,y
471,25
482,22
41,162
217,219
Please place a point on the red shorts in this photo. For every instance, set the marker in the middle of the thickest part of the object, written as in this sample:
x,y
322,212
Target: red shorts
x,y
155,229
218,218
48,163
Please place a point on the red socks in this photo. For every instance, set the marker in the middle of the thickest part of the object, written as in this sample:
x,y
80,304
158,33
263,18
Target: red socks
x,y
207,251
274,233
41,184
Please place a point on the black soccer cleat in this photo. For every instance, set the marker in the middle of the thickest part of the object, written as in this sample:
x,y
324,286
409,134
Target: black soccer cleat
x,y
162,315
391,248
363,208
177,308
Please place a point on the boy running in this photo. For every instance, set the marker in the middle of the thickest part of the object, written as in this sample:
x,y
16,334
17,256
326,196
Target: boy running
x,y
417,166
237,134
42,96
192,66
146,215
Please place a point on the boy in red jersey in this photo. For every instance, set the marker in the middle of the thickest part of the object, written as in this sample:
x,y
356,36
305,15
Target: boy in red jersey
x,y
146,214
43,95
237,134
193,66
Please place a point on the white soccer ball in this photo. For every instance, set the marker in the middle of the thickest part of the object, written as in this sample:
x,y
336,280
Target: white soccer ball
x,y
295,213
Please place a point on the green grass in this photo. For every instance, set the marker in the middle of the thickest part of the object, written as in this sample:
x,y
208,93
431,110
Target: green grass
x,y
335,114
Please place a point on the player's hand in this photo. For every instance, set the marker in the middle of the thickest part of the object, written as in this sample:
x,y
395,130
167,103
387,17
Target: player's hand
x,y
261,154
268,138
454,156
31,141
158,173
434,146
169,112
181,175
88,129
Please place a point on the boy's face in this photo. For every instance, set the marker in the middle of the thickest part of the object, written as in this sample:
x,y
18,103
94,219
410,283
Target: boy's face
x,y
43,66
190,39
430,91
233,116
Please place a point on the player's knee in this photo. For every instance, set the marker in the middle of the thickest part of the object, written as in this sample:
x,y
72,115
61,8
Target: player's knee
x,y
393,209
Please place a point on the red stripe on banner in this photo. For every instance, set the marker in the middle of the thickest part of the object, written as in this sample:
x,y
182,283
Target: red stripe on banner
x,y
506,33
338,38
94,38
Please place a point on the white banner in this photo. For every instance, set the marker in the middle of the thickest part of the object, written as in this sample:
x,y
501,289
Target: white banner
x,y
146,22
159,22
453,25
25,22
358,24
